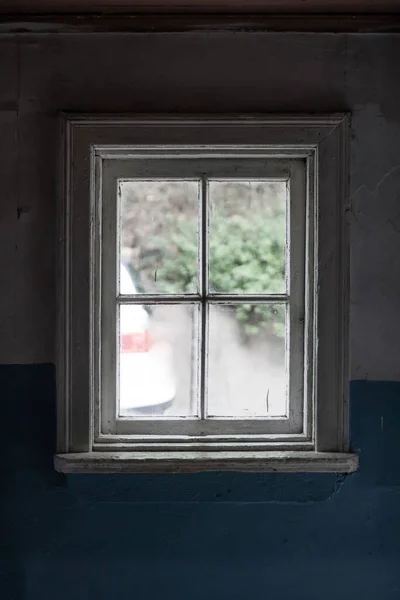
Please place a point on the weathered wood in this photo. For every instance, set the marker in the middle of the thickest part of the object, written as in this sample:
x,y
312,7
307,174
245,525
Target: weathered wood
x,y
189,22
215,6
182,462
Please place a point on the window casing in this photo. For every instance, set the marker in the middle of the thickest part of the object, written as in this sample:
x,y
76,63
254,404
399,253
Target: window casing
x,y
309,156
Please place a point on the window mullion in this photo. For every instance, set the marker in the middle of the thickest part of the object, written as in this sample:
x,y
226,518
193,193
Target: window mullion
x,y
203,288
248,298
214,298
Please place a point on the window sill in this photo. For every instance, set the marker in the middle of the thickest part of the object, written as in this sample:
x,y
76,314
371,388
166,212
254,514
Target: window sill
x,y
190,462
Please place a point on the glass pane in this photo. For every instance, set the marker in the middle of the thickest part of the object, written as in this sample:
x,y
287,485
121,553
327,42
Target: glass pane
x,y
246,364
247,237
157,360
158,236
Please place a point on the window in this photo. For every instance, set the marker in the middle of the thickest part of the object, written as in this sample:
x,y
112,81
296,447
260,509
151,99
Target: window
x,y
203,295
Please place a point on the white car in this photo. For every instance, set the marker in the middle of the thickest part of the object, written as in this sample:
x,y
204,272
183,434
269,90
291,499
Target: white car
x,y
147,384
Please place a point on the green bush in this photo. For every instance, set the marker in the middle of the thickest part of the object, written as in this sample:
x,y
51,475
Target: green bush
x,y
247,255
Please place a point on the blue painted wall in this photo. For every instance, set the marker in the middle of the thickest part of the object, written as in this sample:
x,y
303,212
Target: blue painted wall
x,y
181,537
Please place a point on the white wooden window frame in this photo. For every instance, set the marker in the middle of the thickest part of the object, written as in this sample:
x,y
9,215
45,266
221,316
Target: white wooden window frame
x,y
204,165
308,151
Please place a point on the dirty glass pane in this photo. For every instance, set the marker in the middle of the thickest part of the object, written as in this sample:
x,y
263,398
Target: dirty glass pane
x,y
246,363
157,360
247,250
158,235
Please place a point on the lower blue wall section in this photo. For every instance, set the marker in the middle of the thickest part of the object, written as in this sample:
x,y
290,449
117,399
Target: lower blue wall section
x,y
192,537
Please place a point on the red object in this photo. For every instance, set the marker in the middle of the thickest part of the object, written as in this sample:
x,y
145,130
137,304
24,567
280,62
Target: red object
x,y
135,342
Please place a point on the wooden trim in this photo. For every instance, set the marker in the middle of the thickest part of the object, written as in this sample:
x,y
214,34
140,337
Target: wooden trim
x,y
326,136
333,290
195,23
189,462
210,163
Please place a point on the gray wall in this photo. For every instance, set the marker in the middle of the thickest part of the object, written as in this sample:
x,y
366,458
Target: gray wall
x,y
197,73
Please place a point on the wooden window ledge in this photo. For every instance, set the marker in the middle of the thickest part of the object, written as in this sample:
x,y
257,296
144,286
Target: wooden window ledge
x,y
191,462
